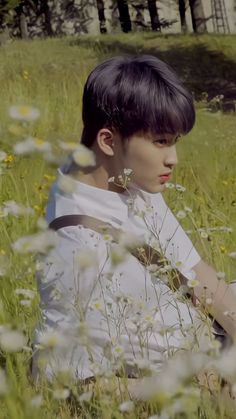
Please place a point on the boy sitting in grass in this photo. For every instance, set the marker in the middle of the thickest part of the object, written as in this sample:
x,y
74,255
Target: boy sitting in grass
x,y
114,289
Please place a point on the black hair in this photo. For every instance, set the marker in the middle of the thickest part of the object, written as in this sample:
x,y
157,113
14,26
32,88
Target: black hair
x,y
135,94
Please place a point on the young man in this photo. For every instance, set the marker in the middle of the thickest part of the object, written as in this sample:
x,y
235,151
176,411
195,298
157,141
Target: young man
x,y
106,306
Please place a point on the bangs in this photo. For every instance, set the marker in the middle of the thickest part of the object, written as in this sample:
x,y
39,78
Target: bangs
x,y
153,105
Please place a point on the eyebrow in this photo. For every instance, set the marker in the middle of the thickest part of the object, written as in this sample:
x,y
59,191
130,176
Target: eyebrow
x,y
169,141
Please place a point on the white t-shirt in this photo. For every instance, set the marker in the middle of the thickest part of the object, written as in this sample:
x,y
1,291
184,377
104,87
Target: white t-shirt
x,y
107,308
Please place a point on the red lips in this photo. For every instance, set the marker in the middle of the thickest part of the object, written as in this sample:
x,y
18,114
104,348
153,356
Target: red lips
x,y
165,177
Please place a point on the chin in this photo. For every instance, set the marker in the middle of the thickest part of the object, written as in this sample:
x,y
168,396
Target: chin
x,y
154,189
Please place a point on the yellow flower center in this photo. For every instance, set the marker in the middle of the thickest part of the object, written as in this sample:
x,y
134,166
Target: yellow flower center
x,y
24,110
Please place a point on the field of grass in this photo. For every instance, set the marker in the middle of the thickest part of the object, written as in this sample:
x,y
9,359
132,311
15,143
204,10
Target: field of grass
x,y
49,75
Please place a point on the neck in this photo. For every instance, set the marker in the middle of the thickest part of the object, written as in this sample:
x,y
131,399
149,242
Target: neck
x,y
96,177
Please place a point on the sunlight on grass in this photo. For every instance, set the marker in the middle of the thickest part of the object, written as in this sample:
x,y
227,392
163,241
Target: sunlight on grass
x,y
49,75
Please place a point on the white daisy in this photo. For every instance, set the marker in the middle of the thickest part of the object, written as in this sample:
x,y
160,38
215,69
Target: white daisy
x,y
24,113
84,157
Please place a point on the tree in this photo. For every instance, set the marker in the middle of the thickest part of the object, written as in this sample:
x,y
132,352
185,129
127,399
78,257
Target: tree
x,y
6,8
101,16
125,21
47,17
197,15
182,14
155,22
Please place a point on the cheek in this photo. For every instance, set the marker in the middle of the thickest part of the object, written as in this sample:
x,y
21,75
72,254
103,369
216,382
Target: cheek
x,y
144,161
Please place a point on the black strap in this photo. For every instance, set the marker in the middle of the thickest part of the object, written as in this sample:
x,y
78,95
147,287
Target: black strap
x,y
86,221
145,254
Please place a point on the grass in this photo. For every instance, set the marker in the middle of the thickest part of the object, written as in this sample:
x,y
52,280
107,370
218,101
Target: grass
x,y
50,74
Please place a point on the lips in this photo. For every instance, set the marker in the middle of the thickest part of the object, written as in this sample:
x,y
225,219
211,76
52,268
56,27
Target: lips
x,y
165,177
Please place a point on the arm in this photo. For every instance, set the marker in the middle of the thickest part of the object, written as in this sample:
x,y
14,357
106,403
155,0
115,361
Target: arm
x,y
223,306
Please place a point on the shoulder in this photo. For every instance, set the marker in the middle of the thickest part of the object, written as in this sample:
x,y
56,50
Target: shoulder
x,y
74,244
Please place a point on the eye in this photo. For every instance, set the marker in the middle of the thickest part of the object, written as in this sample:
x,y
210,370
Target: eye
x,y
161,142
164,142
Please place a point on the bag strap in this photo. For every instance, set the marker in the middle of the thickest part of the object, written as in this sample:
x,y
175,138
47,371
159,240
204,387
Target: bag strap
x,y
86,221
145,254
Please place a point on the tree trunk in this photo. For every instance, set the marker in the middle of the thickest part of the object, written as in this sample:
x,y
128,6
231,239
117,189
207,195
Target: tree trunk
x,y
155,22
197,15
23,26
182,14
47,17
125,21
101,16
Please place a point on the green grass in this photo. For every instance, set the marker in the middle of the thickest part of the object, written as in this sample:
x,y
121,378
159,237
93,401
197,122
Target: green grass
x,y
50,74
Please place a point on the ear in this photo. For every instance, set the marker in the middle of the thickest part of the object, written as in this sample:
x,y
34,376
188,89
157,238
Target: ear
x,y
105,141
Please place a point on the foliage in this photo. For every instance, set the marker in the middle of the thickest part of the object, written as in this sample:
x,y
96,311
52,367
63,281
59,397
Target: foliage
x,y
31,74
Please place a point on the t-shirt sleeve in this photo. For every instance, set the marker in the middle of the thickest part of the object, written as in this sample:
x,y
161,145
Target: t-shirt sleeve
x,y
175,243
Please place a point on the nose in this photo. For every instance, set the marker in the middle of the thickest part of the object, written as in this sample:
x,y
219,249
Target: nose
x,y
171,158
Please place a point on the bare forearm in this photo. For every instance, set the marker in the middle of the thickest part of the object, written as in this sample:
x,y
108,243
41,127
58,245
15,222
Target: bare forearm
x,y
217,297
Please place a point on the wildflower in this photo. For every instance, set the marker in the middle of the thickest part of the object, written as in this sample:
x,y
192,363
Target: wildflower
x,y
118,255
98,305
55,159
86,258
8,159
226,365
84,157
68,146
127,172
225,182
130,240
12,208
226,229
220,275
61,393
25,292
42,223
209,301
223,249
203,234
143,363
118,351
111,179
169,185
24,113
127,406
25,303
36,401
39,242
52,339
153,268
3,382
192,283
3,155
15,129
12,341
180,188
86,397
181,214
25,75
49,177
155,244
66,184
31,145
232,255
187,209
